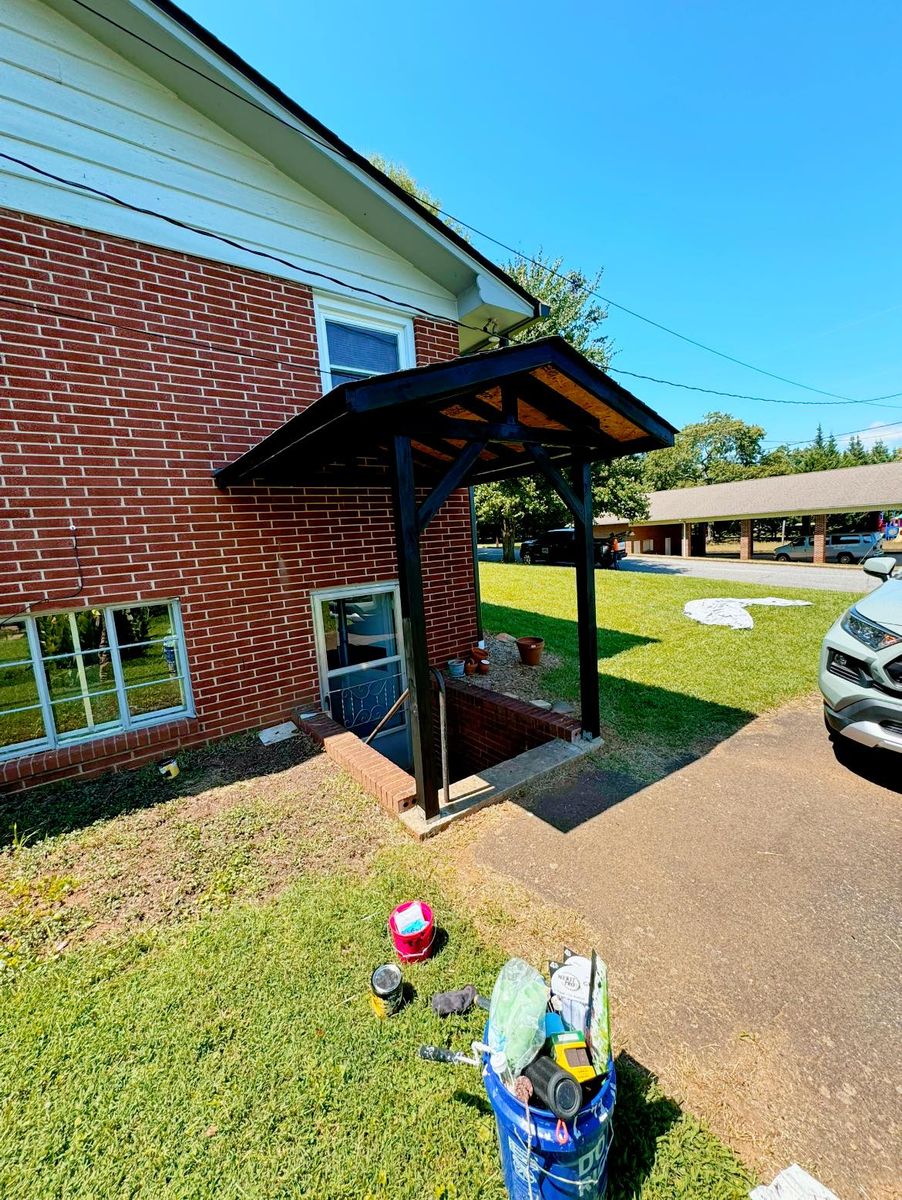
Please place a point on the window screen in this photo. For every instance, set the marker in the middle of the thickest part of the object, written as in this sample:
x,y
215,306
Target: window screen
x,y
355,352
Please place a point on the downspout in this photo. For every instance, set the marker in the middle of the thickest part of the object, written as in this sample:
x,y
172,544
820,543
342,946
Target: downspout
x,y
474,545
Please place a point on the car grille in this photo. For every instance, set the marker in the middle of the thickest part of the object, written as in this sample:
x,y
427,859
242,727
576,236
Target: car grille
x,y
851,669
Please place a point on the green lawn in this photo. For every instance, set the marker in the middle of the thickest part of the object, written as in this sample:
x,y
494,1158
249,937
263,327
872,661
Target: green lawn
x,y
184,1012
669,686
183,1006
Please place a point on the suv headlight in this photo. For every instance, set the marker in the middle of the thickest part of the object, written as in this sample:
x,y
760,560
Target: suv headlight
x,y
869,633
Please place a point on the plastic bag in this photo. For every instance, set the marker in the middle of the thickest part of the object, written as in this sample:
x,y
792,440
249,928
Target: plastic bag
x,y
516,1018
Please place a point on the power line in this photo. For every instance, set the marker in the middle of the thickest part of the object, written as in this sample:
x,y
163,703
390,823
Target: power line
x,y
848,433
178,223
333,149
691,387
236,245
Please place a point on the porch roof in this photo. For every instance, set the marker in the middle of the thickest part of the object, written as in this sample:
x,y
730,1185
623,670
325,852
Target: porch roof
x,y
491,415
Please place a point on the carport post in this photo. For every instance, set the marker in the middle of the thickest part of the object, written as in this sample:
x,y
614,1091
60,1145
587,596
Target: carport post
x,y
413,624
586,618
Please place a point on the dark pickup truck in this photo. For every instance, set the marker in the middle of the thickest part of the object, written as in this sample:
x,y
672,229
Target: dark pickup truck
x,y
559,546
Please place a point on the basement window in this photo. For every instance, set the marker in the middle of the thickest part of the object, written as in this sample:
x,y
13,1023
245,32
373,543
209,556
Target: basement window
x,y
357,341
72,676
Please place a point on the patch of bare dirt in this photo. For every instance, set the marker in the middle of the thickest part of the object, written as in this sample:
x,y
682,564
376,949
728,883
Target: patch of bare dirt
x,y
245,822
507,673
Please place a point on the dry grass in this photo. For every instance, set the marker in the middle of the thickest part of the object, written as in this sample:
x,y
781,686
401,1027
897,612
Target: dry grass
x,y
171,852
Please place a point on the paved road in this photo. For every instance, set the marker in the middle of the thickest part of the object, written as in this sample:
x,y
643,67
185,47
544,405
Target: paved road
x,y
838,579
748,906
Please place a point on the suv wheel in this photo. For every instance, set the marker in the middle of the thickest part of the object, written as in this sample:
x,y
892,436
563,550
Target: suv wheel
x,y
845,558
525,557
782,558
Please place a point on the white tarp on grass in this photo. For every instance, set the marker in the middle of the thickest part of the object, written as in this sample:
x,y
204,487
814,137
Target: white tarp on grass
x,y
724,610
793,1184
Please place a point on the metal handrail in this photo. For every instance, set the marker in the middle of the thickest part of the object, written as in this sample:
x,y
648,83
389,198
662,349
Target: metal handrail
x,y
443,727
388,716
443,732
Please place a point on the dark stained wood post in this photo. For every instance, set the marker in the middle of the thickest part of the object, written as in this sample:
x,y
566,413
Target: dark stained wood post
x,y
413,624
585,596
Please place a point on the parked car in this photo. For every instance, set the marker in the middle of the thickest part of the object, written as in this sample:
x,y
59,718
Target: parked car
x,y
861,665
559,546
840,548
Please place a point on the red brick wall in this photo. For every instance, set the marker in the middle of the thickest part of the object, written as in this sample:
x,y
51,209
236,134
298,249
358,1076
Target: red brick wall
x,y
128,374
657,534
486,728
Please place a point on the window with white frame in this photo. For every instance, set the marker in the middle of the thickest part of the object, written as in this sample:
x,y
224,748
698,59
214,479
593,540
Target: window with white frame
x,y
357,341
70,676
361,657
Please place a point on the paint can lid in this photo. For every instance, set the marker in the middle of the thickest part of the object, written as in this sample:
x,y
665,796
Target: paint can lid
x,y
386,979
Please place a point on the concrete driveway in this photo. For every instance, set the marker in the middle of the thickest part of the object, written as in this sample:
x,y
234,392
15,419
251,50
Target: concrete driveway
x,y
748,906
770,574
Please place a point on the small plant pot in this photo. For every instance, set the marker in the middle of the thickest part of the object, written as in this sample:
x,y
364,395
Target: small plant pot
x,y
530,650
456,668
469,667
479,654
483,667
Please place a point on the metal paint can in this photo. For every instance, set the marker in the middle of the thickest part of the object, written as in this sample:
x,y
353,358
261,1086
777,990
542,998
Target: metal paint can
x,y
386,990
169,768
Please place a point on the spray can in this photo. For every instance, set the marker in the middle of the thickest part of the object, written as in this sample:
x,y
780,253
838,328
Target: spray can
x,y
386,990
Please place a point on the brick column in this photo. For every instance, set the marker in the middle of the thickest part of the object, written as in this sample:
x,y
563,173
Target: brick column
x,y
746,541
686,549
820,538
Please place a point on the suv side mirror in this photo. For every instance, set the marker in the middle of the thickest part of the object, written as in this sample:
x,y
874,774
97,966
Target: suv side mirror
x,y
882,568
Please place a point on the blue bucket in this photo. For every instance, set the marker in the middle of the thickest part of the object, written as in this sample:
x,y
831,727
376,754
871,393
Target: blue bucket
x,y
536,1166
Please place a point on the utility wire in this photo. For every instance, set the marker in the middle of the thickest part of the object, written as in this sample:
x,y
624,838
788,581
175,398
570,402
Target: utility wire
x,y
691,387
439,211
848,433
221,237
178,223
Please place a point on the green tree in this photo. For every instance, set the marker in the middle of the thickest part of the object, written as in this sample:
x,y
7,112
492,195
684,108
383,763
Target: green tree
x,y
717,449
400,175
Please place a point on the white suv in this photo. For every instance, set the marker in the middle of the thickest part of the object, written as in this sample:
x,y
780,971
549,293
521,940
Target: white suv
x,y
840,548
861,665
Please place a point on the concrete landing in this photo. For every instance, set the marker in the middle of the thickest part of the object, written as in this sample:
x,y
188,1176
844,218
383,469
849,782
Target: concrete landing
x,y
495,783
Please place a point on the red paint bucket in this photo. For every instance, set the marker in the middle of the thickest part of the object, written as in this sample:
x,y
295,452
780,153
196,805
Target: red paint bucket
x,y
417,945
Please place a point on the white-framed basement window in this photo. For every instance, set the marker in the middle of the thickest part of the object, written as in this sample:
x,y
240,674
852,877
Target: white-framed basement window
x,y
357,341
72,676
360,654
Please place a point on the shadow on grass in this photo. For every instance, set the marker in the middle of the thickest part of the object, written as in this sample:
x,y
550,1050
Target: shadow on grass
x,y
643,1115
559,635
652,731
73,804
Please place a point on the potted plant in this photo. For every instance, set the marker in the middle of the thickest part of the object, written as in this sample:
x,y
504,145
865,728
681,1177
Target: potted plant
x,y
530,650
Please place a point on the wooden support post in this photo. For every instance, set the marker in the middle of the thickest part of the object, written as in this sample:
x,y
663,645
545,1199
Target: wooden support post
x,y
413,624
586,619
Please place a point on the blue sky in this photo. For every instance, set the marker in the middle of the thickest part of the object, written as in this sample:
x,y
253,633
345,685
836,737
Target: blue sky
x,y
734,168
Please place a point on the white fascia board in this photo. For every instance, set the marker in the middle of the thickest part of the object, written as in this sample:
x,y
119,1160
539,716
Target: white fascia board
x,y
475,295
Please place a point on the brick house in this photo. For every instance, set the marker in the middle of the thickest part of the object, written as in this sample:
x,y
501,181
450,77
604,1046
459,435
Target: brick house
x,y
144,608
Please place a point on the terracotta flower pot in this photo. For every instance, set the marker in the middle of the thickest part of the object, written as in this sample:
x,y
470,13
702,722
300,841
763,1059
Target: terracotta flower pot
x,y
530,650
483,667
479,654
470,667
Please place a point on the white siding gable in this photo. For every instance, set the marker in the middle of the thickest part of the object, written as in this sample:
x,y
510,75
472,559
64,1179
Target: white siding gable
x,y
74,107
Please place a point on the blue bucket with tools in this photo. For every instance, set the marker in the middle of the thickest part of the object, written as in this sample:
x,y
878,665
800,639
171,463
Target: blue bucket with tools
x,y
539,1162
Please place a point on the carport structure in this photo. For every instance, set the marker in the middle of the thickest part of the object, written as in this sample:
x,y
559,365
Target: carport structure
x,y
540,407
672,515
